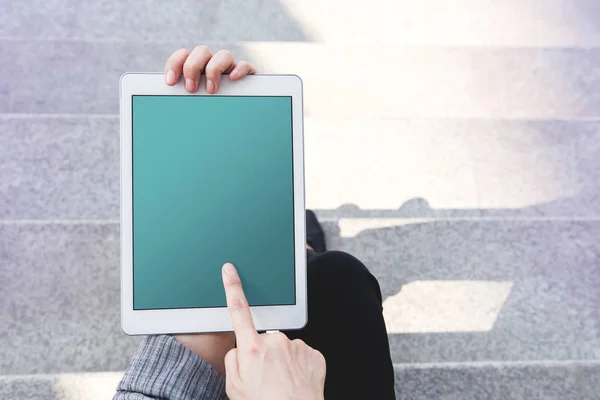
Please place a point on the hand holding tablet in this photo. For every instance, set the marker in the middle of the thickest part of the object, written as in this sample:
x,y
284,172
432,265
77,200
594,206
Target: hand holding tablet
x,y
208,178
201,59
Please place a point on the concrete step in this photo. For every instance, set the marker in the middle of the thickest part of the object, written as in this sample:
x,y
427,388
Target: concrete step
x,y
459,22
61,307
464,381
76,386
66,167
437,22
379,81
531,291
480,290
499,381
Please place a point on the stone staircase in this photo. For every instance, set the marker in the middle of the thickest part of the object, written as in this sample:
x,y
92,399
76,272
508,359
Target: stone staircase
x,y
454,147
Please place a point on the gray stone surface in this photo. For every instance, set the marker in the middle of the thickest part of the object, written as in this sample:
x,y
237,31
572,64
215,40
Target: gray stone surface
x,y
453,82
59,168
67,167
469,82
587,163
546,381
469,381
80,386
61,299
156,20
460,168
61,290
553,308
461,22
74,77
28,388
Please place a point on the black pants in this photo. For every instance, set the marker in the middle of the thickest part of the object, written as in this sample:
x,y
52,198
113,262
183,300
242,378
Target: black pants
x,y
345,323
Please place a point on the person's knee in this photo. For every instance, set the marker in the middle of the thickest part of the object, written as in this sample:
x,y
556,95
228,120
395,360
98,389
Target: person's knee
x,y
338,267
344,281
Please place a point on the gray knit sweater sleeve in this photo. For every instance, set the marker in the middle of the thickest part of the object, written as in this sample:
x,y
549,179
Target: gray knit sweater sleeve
x,y
163,368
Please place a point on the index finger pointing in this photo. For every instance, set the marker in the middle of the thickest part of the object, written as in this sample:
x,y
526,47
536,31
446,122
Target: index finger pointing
x,y
239,310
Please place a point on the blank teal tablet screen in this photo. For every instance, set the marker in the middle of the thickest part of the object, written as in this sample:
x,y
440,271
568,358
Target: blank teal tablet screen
x,y
212,183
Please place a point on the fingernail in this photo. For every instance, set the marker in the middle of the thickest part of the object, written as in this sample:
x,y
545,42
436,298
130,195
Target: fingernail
x,y
229,269
190,85
170,76
233,73
210,86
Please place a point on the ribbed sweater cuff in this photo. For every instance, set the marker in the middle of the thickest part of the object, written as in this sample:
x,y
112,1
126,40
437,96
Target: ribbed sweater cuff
x,y
164,368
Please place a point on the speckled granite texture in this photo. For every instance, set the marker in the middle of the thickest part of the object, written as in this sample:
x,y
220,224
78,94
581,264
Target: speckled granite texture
x,y
151,21
28,388
493,82
545,381
551,381
61,299
552,312
562,250
59,168
80,386
407,22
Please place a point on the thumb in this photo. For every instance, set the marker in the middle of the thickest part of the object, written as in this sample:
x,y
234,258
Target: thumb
x,y
232,369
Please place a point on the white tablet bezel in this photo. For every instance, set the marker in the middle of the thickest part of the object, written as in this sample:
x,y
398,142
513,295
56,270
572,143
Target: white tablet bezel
x,y
138,322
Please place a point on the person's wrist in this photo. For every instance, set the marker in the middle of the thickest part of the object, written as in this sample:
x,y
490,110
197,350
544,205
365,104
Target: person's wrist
x,y
211,347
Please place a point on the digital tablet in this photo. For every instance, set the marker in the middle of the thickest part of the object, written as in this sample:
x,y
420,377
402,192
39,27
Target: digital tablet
x,y
208,179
